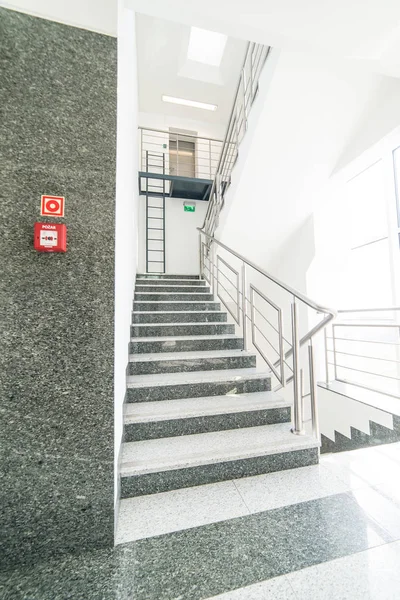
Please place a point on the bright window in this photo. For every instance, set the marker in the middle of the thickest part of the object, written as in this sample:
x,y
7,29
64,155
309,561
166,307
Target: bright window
x,y
206,46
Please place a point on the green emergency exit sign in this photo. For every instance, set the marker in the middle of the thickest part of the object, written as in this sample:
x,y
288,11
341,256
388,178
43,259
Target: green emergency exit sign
x,y
189,207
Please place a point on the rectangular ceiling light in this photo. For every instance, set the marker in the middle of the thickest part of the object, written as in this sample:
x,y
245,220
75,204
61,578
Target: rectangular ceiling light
x,y
191,103
206,46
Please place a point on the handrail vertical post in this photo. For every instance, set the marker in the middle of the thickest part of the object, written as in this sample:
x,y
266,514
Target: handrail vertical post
x,y
302,394
326,356
334,351
313,391
297,417
201,256
141,148
177,154
209,151
212,251
244,305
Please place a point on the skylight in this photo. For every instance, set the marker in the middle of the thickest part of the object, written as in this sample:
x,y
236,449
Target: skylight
x,y
206,46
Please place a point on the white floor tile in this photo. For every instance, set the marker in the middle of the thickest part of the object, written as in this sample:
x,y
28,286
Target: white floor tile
x,y
274,490
157,514
380,507
370,575
273,589
364,467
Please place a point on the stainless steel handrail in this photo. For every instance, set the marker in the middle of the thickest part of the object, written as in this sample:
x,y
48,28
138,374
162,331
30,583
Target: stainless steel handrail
x,y
209,271
288,288
246,91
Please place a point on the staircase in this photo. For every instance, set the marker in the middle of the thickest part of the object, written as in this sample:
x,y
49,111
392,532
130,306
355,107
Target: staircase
x,y
197,408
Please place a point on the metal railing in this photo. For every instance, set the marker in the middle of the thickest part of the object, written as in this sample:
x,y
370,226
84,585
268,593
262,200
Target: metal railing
x,y
273,316
183,154
363,349
246,92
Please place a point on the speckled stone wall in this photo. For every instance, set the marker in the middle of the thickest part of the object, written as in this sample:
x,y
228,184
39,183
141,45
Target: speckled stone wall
x,y
57,136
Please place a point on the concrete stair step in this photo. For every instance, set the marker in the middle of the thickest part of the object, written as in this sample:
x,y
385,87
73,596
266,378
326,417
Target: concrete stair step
x,y
154,466
169,386
172,289
186,343
165,276
152,420
174,282
173,329
181,306
171,296
177,316
178,362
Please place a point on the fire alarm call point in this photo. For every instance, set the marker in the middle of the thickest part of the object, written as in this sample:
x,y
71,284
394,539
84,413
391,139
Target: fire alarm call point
x,y
49,237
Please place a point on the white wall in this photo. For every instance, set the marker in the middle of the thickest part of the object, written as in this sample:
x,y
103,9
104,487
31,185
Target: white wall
x,y
339,413
310,109
181,236
126,222
162,121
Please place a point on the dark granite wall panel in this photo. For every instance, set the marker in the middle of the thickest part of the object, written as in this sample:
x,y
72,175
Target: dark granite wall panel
x,y
57,136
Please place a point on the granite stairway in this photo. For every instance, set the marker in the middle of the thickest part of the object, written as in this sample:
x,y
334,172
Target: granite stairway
x,y
197,410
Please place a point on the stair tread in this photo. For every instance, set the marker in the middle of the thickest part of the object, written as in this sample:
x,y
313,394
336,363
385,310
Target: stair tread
x,y
169,325
149,412
193,377
175,301
157,356
173,293
174,338
167,454
176,287
176,312
167,275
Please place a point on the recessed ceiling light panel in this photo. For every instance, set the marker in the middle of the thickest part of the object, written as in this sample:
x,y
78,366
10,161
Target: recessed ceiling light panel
x,y
206,46
191,103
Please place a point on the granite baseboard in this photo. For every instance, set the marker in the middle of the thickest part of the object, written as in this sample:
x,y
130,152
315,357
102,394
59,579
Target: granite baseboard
x,y
378,435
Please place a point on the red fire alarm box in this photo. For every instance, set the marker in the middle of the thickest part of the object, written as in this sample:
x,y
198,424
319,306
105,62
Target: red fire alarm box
x,y
50,238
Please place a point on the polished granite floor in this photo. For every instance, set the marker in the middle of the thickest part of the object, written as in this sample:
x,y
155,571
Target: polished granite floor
x,y
325,531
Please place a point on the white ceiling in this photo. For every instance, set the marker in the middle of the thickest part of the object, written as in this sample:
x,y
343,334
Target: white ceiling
x,y
366,31
95,15
163,68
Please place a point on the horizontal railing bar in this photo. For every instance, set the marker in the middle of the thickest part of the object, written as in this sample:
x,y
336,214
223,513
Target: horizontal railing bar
x,y
364,325
365,387
269,323
366,341
266,339
365,372
226,277
363,356
226,264
224,288
172,133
